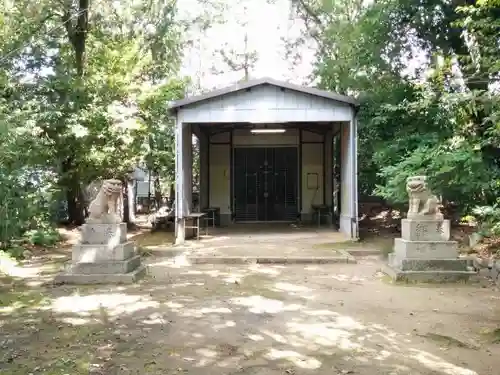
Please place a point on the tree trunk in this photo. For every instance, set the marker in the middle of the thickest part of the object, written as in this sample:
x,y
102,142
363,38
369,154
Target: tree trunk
x,y
70,182
75,205
157,187
126,209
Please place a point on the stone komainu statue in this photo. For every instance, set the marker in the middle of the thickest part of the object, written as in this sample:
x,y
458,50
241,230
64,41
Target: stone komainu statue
x,y
422,202
106,206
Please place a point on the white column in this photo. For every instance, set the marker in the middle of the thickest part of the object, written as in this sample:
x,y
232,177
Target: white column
x,y
187,158
354,139
131,200
349,181
180,230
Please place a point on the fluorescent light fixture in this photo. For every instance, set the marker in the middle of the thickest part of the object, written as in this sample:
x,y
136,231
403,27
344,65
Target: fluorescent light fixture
x,y
267,131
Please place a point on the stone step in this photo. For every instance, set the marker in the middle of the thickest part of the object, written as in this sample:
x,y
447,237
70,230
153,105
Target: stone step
x,y
434,265
429,276
87,253
107,267
268,260
103,278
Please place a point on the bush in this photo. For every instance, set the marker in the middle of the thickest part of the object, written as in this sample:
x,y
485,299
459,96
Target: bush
x,y
43,237
488,220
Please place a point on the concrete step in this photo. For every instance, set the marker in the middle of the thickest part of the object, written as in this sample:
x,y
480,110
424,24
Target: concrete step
x,y
268,260
104,278
108,267
427,276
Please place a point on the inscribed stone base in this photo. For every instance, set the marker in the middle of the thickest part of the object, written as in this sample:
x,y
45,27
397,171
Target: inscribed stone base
x,y
424,261
103,257
425,249
425,230
86,253
104,234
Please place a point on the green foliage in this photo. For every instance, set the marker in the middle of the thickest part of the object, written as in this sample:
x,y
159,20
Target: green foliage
x,y
442,118
76,107
43,237
488,218
160,154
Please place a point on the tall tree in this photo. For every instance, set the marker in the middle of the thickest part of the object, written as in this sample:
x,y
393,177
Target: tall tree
x,y
242,58
437,117
81,88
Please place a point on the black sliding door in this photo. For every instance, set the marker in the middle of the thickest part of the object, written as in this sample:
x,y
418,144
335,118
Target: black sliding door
x,y
265,183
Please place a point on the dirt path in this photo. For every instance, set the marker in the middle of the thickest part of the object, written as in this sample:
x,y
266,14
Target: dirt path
x,y
266,320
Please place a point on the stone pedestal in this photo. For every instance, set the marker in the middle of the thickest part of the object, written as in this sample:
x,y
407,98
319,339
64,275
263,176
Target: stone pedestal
x,y
103,256
424,253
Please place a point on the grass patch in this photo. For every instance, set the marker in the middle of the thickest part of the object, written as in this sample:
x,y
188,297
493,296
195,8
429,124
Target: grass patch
x,y
151,240
492,335
13,300
349,244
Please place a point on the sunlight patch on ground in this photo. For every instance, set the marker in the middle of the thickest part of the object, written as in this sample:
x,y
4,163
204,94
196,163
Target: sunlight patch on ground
x,y
341,277
437,364
12,268
255,337
158,266
287,287
234,278
262,305
114,304
325,334
273,271
217,310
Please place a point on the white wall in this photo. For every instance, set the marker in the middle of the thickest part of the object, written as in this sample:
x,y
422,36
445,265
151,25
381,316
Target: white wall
x,y
183,170
220,179
265,104
312,164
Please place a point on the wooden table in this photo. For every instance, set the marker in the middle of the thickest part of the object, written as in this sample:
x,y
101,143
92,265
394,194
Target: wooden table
x,y
197,216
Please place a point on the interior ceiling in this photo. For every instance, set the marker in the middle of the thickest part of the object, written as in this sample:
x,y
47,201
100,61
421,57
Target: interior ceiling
x,y
215,128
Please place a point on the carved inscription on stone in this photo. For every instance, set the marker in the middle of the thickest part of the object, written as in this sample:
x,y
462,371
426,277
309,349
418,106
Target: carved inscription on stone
x,y
421,231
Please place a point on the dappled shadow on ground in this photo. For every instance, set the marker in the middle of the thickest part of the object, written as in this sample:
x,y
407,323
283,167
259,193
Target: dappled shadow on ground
x,y
238,320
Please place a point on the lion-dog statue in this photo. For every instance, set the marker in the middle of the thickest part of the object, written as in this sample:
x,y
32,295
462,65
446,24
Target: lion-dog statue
x,y
104,209
421,200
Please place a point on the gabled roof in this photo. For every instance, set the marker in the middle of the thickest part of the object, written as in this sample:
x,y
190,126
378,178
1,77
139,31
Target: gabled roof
x,y
258,82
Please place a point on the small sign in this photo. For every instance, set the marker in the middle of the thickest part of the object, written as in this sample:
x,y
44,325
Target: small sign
x,y
312,181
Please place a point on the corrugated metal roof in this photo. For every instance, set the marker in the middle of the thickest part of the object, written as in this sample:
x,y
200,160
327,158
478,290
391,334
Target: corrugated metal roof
x,y
258,82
